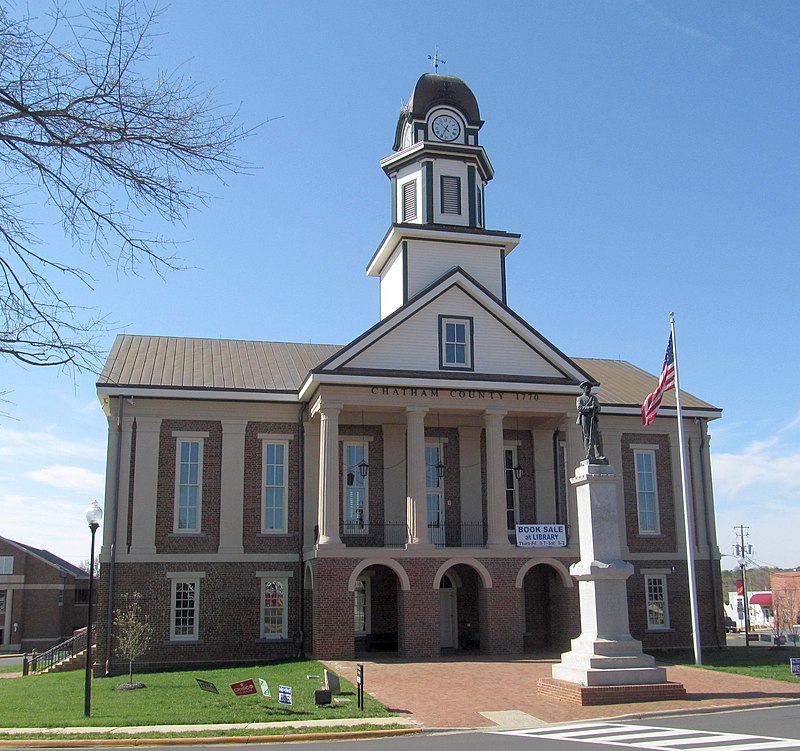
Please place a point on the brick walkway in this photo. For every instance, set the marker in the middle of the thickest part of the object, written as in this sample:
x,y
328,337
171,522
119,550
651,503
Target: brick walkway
x,y
453,692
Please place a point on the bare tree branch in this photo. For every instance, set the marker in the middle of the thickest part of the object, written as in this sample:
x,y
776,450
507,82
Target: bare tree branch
x,y
104,145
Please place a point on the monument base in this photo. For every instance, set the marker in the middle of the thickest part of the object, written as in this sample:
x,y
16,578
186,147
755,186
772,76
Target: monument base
x,y
588,696
607,662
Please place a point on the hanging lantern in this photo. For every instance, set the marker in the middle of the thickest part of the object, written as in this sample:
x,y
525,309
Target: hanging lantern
x,y
519,472
440,468
363,468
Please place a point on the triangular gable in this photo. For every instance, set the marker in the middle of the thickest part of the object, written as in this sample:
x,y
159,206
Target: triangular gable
x,y
407,341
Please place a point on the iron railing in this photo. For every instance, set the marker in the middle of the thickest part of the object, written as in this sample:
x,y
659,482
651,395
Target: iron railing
x,y
37,663
366,534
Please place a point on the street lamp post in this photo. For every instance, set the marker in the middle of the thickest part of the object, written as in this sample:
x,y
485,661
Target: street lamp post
x,y
93,516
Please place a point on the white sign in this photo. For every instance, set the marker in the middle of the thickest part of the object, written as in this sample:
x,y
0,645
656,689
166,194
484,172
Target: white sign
x,y
264,688
795,665
285,695
541,535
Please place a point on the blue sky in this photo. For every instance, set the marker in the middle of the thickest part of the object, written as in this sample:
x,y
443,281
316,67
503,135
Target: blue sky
x,y
647,151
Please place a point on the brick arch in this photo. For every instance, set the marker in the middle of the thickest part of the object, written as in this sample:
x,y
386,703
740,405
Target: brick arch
x,y
308,577
402,575
482,571
560,568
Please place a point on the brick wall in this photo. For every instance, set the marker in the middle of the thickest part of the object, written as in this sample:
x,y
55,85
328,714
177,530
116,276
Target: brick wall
x,y
167,541
666,540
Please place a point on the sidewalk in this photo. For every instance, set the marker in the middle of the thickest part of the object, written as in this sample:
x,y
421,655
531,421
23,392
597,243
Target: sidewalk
x,y
483,692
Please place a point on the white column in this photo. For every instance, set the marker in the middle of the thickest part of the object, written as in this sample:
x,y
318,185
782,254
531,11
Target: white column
x,y
329,476
495,485
415,482
231,507
145,486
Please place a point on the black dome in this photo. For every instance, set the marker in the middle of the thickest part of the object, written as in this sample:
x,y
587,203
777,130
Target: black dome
x,y
433,89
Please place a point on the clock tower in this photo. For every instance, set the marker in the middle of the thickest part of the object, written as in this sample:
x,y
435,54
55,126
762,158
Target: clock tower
x,y
438,172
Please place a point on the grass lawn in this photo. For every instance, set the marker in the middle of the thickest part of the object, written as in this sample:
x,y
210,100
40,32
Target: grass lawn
x,y
755,661
56,700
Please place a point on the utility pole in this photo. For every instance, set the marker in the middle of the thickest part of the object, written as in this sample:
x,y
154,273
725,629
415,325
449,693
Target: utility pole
x,y
742,551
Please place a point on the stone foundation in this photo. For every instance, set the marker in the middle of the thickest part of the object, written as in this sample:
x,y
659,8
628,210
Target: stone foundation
x,y
588,696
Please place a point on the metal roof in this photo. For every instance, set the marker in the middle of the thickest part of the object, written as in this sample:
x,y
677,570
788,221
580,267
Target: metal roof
x,y
231,364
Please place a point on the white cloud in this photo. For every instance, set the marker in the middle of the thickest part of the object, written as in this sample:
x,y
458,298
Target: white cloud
x,y
759,487
27,444
69,478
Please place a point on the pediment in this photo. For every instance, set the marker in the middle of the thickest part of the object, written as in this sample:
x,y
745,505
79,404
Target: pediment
x,y
503,346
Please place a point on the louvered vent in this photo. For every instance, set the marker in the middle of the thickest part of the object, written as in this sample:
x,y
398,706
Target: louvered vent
x,y
410,201
451,194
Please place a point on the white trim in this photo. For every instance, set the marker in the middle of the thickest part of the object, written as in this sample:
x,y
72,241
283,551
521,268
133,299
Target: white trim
x,y
656,571
355,438
10,571
365,577
181,439
195,634
285,526
665,591
469,355
283,581
347,442
644,447
275,436
656,506
200,394
190,434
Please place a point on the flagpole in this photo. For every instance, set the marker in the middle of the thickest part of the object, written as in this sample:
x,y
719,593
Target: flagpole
x,y
687,507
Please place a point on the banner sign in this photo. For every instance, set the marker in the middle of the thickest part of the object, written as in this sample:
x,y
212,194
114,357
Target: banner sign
x,y
795,663
285,695
243,688
265,688
541,535
207,686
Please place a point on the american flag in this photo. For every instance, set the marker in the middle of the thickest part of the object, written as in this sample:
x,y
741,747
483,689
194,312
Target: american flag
x,y
666,381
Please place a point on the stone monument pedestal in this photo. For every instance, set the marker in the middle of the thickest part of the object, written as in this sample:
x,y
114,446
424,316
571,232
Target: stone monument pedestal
x,y
605,655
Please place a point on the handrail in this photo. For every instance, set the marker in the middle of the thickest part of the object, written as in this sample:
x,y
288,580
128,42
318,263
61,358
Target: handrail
x,y
38,663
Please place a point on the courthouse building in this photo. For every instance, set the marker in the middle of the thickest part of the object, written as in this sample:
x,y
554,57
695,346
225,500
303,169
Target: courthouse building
x,y
268,499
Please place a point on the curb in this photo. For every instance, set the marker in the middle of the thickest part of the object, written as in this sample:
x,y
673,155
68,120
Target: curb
x,y
206,740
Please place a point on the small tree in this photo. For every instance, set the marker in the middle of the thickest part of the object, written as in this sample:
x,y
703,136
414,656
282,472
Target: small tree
x,y
134,630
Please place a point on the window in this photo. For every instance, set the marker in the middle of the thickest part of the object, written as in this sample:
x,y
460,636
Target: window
x,y
512,489
184,624
455,343
274,614
361,611
479,205
451,194
274,477
189,485
6,564
410,201
356,490
656,598
82,593
434,494
646,494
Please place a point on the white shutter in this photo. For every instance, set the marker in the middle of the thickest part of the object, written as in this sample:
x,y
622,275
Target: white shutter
x,y
410,201
451,194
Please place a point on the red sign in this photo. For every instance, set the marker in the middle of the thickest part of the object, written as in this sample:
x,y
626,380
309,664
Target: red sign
x,y
242,688
739,587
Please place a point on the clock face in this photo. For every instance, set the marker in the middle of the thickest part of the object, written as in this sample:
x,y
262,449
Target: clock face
x,y
446,128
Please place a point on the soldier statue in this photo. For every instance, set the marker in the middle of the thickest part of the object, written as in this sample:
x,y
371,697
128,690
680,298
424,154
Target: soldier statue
x,y
588,410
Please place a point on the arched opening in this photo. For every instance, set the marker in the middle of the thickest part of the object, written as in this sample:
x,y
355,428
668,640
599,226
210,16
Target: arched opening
x,y
376,592
550,609
459,588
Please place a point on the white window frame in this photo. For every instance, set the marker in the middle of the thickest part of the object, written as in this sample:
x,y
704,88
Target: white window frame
x,y
662,579
365,607
267,578
444,322
436,535
508,474
6,564
265,443
177,581
358,482
183,438
644,530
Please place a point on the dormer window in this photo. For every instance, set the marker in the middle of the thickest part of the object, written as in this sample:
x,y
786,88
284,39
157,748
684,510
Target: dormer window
x,y
455,343
451,194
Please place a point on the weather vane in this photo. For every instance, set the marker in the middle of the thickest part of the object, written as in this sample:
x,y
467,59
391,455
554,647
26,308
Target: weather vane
x,y
436,60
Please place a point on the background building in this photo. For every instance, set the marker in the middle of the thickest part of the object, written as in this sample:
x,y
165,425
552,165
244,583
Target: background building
x,y
269,498
43,598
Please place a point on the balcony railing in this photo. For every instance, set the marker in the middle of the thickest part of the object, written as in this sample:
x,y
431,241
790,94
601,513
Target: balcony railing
x,y
366,534
462,535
